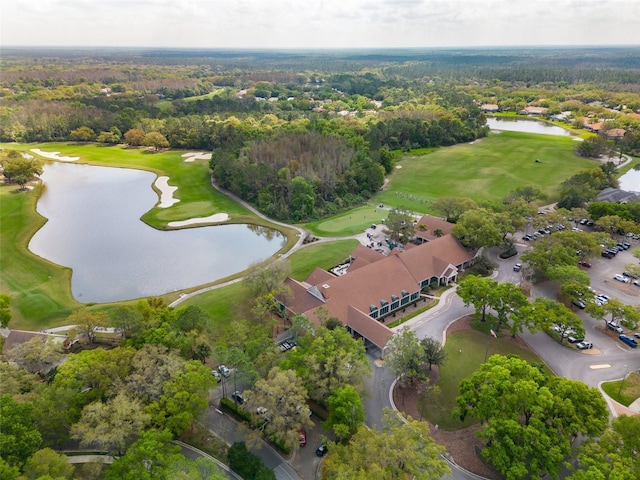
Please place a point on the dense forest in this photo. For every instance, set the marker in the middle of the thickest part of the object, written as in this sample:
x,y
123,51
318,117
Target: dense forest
x,y
303,134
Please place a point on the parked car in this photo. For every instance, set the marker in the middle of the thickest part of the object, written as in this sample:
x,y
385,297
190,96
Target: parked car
x,y
303,437
580,304
224,371
573,339
615,327
584,345
216,375
322,450
630,275
607,254
620,278
637,334
628,340
237,396
261,410
517,267
584,264
636,283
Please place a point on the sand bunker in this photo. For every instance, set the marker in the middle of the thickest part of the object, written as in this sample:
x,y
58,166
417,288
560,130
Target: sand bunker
x,y
191,156
54,155
166,192
216,218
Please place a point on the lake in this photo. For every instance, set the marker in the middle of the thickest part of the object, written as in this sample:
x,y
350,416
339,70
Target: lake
x,y
94,228
630,181
526,126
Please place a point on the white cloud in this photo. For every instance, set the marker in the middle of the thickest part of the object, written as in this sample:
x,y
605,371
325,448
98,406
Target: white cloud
x,y
323,23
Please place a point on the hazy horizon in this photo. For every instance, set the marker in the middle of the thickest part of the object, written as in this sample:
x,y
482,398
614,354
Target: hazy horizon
x,y
322,25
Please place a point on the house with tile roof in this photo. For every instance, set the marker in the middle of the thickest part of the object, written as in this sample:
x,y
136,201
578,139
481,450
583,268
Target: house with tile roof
x,y
615,133
533,111
490,108
377,286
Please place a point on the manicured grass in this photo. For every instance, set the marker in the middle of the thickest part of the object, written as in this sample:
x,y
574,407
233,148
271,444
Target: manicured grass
x,y
465,353
230,302
349,223
630,389
40,290
486,170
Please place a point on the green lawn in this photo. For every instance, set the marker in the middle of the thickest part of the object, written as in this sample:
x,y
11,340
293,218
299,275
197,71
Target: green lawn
x,y
349,223
465,353
228,303
486,170
630,389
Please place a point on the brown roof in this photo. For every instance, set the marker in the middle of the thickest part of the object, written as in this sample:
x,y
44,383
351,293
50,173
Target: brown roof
x,y
17,337
363,256
616,132
368,285
319,276
432,223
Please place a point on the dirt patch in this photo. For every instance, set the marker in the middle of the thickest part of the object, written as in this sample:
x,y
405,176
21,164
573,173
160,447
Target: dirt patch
x,y
460,444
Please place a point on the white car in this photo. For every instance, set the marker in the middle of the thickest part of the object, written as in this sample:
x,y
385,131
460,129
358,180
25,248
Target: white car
x,y
620,278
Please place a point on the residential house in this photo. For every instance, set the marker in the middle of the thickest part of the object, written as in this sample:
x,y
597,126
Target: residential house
x,y
533,111
490,108
615,133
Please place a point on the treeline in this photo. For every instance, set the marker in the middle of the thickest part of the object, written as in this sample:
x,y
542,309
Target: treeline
x,y
299,176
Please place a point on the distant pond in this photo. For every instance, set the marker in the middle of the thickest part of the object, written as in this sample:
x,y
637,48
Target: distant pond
x,y
526,126
94,227
630,181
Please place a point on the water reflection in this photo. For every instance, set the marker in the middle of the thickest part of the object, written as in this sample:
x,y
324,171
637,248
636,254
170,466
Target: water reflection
x,y
526,126
94,227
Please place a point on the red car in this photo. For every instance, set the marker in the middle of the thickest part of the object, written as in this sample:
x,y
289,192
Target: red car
x,y
584,264
303,437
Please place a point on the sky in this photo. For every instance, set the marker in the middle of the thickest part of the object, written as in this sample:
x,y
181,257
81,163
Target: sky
x,y
318,23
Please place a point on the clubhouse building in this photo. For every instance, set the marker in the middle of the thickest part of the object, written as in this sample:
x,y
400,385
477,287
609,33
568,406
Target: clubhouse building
x,y
372,286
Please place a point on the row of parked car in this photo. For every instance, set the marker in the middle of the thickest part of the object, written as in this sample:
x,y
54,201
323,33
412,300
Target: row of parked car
x,y
611,252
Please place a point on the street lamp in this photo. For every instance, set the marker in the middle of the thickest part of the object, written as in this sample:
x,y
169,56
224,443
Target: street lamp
x,y
622,382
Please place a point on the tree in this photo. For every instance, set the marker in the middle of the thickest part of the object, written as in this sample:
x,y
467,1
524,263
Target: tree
x,y
155,140
619,312
405,356
528,419
346,412
112,137
48,462
482,228
477,290
17,169
88,322
37,355
400,225
111,426
82,134
146,459
453,207
434,353
284,401
134,137
5,310
200,469
505,299
327,361
398,450
246,464
20,439
16,381
125,319
184,396
151,368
